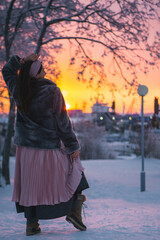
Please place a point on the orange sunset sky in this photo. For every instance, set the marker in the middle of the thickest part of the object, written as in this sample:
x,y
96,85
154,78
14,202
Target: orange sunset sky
x,y
79,96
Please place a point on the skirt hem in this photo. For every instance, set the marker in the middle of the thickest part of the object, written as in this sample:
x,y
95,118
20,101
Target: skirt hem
x,y
52,211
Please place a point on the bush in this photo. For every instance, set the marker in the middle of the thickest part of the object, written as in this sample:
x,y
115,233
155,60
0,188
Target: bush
x,y
151,143
90,137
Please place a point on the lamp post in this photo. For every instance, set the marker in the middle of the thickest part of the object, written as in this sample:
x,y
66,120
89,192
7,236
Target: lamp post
x,y
142,91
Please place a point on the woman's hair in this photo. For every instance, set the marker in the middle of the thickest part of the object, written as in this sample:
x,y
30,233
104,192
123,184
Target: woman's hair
x,y
25,87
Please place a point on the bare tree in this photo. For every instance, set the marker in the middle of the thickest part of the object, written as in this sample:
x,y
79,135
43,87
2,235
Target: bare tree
x,y
12,22
122,27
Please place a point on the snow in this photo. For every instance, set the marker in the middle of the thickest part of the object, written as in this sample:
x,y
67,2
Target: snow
x,y
117,210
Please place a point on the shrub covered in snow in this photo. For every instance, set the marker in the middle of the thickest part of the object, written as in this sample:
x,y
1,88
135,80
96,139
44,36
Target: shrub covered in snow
x,y
151,143
91,140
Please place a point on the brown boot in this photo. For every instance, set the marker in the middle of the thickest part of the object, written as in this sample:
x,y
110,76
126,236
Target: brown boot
x,y
75,216
32,229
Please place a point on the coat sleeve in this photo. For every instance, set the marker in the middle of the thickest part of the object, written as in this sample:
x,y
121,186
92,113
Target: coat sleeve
x,y
64,126
9,72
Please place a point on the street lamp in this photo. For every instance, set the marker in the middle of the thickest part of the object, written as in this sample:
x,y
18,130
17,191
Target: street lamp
x,y
142,91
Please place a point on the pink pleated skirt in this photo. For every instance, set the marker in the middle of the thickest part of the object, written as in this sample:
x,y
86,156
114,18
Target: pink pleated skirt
x,y
44,177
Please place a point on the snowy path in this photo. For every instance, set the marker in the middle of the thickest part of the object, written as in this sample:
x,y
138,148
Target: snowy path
x,y
117,210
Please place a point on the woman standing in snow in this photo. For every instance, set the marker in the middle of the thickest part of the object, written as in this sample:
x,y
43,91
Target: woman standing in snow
x,y
49,179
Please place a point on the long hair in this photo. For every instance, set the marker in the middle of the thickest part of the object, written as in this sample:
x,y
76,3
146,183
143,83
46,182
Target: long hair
x,y
24,88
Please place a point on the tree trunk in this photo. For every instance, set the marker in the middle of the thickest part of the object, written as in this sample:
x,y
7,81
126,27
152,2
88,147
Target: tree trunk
x,y
7,143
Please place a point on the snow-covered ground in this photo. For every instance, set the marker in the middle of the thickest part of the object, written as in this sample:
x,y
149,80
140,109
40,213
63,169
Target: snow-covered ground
x,y
117,210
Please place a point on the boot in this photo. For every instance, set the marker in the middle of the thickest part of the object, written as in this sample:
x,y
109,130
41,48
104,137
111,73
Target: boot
x,y
75,215
32,229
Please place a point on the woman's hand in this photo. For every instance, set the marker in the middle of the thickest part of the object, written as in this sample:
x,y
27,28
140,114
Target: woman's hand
x,y
32,57
75,155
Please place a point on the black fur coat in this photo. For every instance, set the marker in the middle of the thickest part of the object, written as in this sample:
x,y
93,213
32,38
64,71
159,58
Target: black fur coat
x,y
47,122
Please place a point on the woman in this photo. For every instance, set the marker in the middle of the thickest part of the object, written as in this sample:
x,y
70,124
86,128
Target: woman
x,y
49,178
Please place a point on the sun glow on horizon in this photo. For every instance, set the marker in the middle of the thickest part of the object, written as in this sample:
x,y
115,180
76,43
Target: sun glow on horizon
x,y
68,106
65,93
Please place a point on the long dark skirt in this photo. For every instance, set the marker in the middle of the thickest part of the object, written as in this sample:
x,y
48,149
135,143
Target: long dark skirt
x,y
53,211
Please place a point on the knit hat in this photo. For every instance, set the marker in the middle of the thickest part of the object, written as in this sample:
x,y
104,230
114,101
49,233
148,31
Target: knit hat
x,y
34,68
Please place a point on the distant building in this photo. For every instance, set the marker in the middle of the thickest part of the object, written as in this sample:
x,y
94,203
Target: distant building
x,y
100,108
98,112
